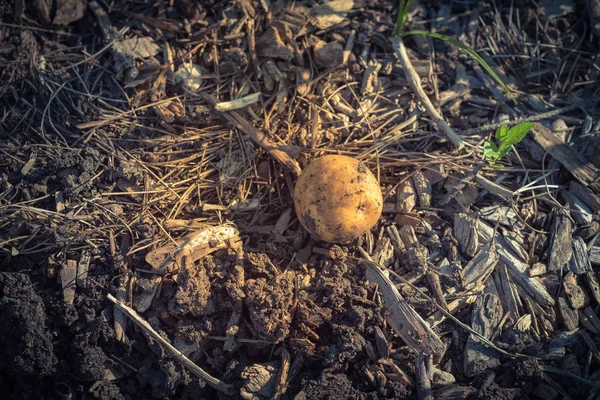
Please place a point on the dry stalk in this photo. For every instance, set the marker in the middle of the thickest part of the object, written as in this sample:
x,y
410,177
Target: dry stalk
x,y
189,364
279,153
415,83
527,118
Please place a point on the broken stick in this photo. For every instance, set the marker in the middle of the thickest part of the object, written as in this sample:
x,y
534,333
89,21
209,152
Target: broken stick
x,y
280,153
415,82
403,319
189,364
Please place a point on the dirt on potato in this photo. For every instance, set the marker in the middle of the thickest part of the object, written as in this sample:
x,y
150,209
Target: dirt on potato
x,y
337,199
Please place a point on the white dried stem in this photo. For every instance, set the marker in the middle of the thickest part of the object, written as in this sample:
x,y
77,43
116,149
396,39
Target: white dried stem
x,y
415,82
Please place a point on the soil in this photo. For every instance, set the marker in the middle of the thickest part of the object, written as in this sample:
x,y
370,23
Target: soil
x,y
106,154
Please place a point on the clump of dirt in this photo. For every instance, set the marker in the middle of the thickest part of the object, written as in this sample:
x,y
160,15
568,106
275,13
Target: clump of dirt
x,y
198,302
192,331
270,304
88,360
106,390
26,343
193,295
329,386
162,374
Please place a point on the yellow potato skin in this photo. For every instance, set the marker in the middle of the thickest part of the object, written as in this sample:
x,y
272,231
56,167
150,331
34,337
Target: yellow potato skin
x,y
337,199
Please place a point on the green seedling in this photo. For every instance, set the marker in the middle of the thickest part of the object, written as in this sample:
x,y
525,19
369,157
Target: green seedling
x,y
406,5
506,139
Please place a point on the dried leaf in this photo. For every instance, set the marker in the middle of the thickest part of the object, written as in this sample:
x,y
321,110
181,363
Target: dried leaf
x,y
331,13
193,246
139,47
190,76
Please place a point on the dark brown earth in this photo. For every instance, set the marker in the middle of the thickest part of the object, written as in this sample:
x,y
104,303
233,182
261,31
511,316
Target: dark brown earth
x,y
105,156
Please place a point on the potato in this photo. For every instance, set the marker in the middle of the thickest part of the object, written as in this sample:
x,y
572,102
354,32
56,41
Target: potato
x,y
337,199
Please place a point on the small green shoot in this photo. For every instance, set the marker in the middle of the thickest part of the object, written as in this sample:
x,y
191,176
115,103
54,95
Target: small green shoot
x,y
404,9
405,6
506,139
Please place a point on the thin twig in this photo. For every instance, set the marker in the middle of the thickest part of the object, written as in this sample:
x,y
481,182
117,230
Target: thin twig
x,y
528,118
189,364
415,83
493,187
280,153
554,370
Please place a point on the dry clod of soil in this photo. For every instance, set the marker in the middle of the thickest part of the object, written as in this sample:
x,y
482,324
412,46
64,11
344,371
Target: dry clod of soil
x,y
577,297
260,381
270,305
26,343
193,294
328,55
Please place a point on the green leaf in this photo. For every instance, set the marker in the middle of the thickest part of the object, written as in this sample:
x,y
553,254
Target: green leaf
x,y
507,139
403,10
515,134
490,151
466,49
503,151
501,133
